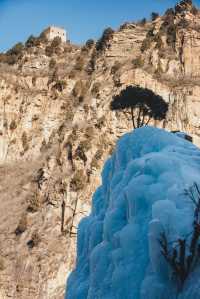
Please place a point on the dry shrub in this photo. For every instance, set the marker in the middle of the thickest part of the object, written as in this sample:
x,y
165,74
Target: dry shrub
x,y
86,108
54,47
90,43
34,80
138,62
2,264
73,136
13,55
33,203
52,63
116,67
22,226
100,122
60,85
78,181
49,51
69,113
89,132
80,153
79,92
96,88
25,141
13,125
79,65
97,157
85,144
72,74
103,142
92,63
98,154
95,163
34,241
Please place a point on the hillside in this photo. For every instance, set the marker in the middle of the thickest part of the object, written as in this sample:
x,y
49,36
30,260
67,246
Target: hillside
x,y
57,130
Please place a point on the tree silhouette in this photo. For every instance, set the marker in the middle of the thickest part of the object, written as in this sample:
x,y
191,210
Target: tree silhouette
x,y
154,16
143,103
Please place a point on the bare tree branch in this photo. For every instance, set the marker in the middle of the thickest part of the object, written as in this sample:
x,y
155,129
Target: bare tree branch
x,y
181,262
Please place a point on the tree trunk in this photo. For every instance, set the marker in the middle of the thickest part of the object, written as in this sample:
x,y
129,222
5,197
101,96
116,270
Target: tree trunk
x,y
73,216
148,121
62,216
132,116
138,119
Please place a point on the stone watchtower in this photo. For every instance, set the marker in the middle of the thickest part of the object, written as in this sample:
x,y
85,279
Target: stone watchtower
x,y
53,31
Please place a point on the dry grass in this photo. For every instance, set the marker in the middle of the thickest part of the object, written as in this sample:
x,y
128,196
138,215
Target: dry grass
x,y
14,189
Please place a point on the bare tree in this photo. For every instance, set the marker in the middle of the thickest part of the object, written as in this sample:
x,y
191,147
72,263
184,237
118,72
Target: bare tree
x,y
182,261
62,215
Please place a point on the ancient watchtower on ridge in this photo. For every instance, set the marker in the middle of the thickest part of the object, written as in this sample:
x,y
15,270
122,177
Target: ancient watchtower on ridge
x,y
52,31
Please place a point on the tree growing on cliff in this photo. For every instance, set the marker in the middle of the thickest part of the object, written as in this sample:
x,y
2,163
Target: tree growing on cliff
x,y
143,104
104,40
154,16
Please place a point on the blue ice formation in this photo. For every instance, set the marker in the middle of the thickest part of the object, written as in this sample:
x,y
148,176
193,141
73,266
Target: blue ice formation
x,y
142,195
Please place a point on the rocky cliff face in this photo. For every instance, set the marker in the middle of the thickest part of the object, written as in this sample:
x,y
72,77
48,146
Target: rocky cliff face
x,y
56,131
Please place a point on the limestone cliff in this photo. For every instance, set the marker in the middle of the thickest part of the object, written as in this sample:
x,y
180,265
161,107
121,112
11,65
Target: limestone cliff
x,y
56,130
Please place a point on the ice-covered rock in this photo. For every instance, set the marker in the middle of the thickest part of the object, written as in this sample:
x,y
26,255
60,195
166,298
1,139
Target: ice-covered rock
x,y
142,195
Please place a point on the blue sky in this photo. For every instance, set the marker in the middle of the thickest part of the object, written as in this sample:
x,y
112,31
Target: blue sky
x,y
83,19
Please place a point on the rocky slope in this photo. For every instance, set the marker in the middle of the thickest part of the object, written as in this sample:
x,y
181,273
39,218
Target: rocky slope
x,y
56,130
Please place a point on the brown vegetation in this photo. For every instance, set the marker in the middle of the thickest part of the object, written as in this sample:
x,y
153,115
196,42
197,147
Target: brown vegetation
x,y
34,241
78,181
25,141
22,226
103,42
